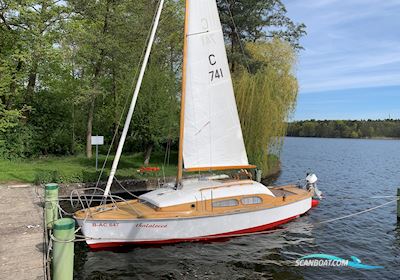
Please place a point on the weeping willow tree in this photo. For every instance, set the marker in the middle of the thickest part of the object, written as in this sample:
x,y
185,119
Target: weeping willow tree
x,y
266,92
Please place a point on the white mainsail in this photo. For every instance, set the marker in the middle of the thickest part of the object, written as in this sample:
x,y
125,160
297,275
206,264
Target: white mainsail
x,y
212,132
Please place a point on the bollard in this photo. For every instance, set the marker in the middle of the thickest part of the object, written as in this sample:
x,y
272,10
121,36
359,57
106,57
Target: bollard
x,y
398,204
63,252
51,201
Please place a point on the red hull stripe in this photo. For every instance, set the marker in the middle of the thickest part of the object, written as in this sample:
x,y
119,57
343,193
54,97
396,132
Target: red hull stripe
x,y
202,238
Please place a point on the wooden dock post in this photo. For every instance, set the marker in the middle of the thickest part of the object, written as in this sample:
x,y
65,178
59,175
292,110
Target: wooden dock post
x,y
63,249
51,204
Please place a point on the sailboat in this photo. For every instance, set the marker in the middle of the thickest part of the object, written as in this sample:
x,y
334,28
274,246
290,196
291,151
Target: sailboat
x,y
211,139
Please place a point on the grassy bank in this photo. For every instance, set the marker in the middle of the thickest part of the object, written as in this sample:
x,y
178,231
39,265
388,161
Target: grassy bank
x,y
79,169
74,169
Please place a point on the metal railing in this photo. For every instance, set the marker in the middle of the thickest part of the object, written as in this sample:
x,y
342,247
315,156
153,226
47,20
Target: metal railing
x,y
85,200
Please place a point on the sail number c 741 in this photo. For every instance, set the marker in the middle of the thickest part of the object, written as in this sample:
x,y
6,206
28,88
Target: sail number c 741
x,y
216,73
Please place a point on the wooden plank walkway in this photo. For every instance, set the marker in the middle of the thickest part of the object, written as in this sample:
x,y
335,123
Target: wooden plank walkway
x,y
21,233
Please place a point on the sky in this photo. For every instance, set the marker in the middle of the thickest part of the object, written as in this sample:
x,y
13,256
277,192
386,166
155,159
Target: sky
x,y
350,67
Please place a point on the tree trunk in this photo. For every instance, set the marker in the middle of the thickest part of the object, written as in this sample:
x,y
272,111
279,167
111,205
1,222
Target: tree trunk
x,y
147,154
233,41
32,79
89,130
13,84
97,70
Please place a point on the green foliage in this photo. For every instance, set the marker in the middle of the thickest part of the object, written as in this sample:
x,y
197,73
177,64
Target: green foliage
x,y
8,118
18,142
265,99
67,69
77,169
345,129
156,116
255,20
61,176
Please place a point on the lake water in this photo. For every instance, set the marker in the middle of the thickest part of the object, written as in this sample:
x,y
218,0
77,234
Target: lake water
x,y
349,171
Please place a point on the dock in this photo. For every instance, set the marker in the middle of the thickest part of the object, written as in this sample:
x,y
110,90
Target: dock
x,y
22,251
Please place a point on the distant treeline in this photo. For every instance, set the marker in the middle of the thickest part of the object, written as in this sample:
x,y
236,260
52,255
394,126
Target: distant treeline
x,y
345,129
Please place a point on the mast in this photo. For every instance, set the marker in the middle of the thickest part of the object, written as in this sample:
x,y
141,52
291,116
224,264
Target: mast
x,y
133,102
182,116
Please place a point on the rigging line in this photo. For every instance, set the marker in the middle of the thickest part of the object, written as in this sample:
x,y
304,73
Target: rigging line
x,y
135,196
359,198
357,213
237,34
127,99
166,150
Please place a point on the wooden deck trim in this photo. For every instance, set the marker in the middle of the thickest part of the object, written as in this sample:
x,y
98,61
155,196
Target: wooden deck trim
x,y
230,184
213,168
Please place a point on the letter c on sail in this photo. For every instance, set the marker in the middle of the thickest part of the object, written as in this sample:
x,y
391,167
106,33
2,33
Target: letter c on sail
x,y
212,62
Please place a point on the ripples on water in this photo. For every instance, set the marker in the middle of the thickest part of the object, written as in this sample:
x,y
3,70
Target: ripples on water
x,y
347,170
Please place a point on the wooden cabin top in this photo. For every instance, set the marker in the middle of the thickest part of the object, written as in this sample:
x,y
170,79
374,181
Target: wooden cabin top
x,y
199,190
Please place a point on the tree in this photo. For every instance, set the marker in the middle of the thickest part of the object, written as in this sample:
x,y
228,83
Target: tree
x,y
30,31
265,99
108,49
67,69
37,24
345,129
91,33
253,20
156,116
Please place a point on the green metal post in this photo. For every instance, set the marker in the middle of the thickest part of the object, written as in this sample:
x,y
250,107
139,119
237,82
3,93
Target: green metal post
x,y
398,204
51,201
63,252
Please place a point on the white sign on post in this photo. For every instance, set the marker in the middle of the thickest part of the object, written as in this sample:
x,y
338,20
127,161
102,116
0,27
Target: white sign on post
x,y
96,141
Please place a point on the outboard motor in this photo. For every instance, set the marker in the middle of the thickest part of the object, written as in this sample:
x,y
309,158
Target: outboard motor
x,y
311,186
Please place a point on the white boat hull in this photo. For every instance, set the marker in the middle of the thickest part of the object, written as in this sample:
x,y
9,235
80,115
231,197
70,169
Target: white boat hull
x,y
111,233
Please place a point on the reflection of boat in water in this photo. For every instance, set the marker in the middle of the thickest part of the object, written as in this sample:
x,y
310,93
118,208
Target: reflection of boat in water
x,y
210,139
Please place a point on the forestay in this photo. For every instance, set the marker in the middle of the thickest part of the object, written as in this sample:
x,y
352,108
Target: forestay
x,y
212,132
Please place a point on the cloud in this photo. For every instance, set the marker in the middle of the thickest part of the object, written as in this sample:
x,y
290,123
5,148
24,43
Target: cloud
x,y
350,44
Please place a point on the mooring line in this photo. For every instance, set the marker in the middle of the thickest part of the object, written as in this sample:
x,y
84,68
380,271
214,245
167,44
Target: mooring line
x,y
358,213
